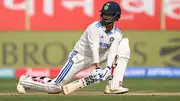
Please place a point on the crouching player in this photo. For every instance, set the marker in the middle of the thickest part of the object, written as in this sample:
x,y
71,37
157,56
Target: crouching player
x,y
102,40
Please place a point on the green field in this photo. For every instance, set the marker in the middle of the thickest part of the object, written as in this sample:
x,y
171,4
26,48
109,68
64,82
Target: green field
x,y
157,89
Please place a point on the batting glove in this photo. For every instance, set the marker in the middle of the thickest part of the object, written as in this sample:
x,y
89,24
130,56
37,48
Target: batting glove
x,y
106,73
97,73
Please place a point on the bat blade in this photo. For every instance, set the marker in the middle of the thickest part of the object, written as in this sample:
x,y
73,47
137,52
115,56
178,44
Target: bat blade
x,y
77,84
73,86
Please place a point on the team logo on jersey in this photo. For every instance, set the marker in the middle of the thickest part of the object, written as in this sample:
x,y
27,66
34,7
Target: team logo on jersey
x,y
111,39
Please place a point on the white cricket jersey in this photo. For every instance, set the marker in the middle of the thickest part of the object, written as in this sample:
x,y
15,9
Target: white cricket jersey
x,y
95,40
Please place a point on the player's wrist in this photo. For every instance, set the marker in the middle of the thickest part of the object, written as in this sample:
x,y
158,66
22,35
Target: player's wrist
x,y
96,65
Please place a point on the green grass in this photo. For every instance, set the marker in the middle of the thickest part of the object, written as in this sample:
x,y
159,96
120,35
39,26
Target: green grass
x,y
89,98
135,85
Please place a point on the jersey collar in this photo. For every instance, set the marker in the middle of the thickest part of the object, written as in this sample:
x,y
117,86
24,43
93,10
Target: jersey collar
x,y
111,32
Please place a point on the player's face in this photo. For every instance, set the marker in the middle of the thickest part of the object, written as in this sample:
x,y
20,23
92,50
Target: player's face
x,y
107,18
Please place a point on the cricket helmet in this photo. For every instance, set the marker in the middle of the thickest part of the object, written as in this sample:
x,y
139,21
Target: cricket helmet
x,y
112,9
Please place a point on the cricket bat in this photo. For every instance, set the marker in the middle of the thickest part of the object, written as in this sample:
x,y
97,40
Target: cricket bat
x,y
80,83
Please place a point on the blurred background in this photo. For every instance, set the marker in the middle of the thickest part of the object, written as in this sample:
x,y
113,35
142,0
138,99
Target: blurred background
x,y
36,36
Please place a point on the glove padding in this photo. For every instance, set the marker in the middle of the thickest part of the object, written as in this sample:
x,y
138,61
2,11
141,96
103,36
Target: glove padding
x,y
97,73
101,74
106,73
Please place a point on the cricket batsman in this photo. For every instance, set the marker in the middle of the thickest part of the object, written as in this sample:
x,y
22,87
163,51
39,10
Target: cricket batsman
x,y
102,40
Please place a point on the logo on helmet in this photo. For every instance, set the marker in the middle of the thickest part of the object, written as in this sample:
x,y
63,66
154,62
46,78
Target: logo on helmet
x,y
106,7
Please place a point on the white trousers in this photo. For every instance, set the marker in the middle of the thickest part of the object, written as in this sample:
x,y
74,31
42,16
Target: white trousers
x,y
75,63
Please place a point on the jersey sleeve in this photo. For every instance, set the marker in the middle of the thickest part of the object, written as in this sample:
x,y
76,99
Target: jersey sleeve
x,y
93,39
113,50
